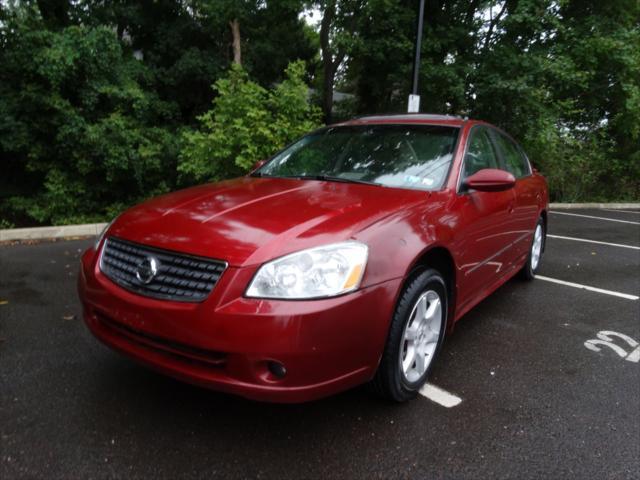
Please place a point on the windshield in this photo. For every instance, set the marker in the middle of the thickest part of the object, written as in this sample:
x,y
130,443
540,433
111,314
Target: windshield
x,y
405,156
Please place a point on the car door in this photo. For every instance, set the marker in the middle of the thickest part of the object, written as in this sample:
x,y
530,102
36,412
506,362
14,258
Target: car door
x,y
525,212
485,232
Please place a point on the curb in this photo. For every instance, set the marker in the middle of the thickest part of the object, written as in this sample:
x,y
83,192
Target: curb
x,y
613,206
36,233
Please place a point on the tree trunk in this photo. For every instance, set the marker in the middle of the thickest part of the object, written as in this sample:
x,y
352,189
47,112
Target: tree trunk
x,y
237,49
327,91
327,60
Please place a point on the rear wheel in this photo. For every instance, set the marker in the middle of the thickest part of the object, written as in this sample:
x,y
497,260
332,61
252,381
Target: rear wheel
x,y
415,336
535,252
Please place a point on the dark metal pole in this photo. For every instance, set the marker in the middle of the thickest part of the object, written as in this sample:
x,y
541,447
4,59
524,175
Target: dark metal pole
x,y
416,62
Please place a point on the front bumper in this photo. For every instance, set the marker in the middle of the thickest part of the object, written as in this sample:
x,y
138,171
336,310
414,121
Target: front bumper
x,y
227,341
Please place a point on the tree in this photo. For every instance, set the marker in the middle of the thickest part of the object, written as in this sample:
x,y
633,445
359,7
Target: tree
x,y
380,68
247,123
601,40
94,95
338,35
236,12
276,36
97,98
261,36
188,44
79,137
560,76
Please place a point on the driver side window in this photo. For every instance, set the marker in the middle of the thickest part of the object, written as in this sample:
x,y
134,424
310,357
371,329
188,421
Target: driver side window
x,y
480,153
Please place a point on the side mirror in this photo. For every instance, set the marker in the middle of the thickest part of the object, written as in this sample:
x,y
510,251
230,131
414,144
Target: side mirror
x,y
490,180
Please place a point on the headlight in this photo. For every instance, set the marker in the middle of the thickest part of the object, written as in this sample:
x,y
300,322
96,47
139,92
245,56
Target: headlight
x,y
314,273
101,236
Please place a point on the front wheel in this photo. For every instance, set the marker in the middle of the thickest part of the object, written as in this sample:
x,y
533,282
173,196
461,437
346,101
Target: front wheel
x,y
415,336
532,264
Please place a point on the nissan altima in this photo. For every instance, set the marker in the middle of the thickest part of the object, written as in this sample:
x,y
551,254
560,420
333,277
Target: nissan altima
x,y
344,259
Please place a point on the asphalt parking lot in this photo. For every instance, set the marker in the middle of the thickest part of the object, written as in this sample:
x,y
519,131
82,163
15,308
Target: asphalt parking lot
x,y
547,374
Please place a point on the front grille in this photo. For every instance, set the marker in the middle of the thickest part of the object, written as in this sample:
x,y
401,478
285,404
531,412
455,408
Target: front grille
x,y
178,276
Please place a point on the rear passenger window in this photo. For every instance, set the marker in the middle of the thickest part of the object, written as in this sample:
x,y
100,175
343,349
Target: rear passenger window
x,y
480,153
515,161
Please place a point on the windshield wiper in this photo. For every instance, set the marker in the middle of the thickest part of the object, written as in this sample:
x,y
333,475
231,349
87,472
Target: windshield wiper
x,y
322,177
332,178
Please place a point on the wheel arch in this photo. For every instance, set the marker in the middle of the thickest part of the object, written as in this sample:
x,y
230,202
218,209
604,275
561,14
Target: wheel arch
x,y
440,259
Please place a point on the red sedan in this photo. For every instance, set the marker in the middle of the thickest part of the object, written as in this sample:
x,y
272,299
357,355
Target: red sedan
x,y
344,259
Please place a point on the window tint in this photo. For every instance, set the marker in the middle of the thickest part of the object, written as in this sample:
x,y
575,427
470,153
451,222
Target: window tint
x,y
480,154
514,160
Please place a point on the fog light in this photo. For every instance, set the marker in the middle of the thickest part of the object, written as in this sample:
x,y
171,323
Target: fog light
x,y
277,369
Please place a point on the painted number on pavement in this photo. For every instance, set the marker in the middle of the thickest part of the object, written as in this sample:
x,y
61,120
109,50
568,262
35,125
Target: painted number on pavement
x,y
607,338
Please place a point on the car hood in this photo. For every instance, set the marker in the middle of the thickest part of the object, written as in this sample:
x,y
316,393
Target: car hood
x,y
249,220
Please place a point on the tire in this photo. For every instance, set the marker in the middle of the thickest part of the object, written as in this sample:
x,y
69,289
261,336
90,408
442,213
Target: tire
x,y
396,379
532,264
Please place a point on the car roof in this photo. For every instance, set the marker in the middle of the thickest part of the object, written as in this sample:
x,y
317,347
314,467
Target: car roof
x,y
423,118
419,118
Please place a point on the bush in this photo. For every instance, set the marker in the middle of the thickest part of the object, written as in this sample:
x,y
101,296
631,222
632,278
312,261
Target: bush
x,y
247,123
78,135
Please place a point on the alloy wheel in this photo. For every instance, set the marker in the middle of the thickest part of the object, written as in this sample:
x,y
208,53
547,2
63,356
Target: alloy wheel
x,y
536,248
421,335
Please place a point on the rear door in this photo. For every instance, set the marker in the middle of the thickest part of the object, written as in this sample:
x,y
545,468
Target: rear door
x,y
485,233
526,190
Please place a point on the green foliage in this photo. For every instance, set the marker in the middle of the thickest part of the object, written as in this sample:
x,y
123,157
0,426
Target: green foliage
x,y
380,65
569,97
103,104
562,77
87,128
5,224
77,131
247,123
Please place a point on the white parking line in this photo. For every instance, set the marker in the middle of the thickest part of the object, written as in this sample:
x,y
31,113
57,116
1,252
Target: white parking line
x,y
598,218
619,210
587,287
440,396
593,241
